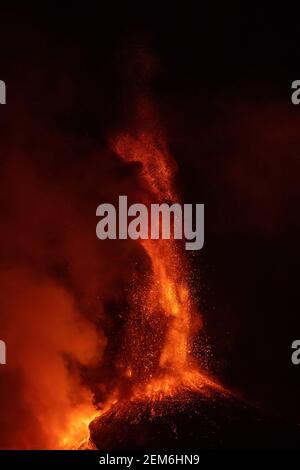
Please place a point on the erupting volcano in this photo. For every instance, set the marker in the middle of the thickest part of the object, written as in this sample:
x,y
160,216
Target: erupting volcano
x,y
159,366
159,397
121,328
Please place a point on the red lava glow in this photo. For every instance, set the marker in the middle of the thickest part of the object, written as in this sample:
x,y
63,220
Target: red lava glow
x,y
168,290
166,368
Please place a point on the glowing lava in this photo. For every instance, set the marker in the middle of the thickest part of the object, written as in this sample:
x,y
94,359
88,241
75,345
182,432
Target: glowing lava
x,y
168,291
162,366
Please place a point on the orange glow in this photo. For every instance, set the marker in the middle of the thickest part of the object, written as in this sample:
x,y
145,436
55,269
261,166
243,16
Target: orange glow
x,y
165,297
168,290
77,435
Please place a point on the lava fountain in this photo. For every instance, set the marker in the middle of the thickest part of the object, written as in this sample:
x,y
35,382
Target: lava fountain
x,y
167,293
164,319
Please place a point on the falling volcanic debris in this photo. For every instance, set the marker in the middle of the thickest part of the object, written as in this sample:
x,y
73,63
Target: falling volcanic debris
x,y
163,319
167,293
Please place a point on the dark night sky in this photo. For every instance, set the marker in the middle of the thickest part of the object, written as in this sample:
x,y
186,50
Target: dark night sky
x,y
220,78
